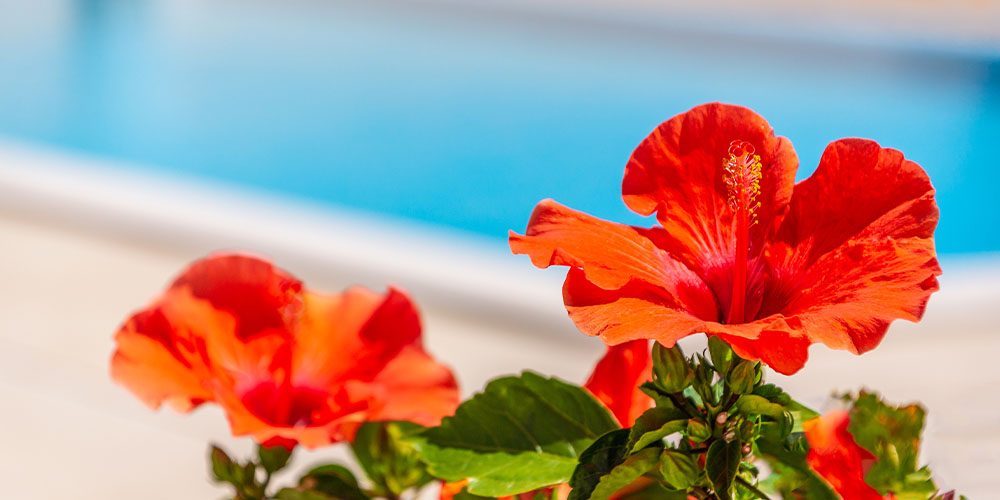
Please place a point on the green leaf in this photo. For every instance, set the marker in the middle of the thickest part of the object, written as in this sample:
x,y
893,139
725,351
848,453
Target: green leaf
x,y
788,461
773,394
660,397
223,467
693,395
800,413
654,425
273,458
391,462
653,491
333,480
626,473
657,435
892,434
721,353
679,470
750,404
722,461
671,369
519,434
598,460
788,482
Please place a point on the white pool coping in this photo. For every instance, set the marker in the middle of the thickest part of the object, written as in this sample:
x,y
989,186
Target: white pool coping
x,y
462,272
465,273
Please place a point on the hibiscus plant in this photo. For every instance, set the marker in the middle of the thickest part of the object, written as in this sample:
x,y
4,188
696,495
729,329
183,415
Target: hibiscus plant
x,y
762,266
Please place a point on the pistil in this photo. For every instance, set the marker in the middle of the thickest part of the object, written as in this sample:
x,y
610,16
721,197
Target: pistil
x,y
742,169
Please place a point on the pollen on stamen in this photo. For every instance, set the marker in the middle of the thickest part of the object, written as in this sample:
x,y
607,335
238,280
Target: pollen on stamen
x,y
743,172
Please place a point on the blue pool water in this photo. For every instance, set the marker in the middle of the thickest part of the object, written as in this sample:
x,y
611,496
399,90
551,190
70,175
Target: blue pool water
x,y
464,118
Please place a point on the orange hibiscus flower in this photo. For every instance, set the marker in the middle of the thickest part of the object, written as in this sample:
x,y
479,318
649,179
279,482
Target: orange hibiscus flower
x,y
741,251
838,458
288,365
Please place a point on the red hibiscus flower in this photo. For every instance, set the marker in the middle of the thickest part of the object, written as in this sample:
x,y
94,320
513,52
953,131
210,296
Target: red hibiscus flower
x,y
743,253
288,365
838,458
616,378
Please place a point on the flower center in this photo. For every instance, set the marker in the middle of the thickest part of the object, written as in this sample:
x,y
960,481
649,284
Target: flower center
x,y
742,175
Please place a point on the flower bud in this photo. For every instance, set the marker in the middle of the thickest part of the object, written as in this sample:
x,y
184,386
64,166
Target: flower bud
x,y
698,431
672,370
721,353
741,377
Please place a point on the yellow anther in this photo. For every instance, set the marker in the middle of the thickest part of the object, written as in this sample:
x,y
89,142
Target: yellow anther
x,y
743,172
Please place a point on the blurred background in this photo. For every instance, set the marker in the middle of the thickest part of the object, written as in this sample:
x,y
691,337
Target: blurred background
x,y
395,141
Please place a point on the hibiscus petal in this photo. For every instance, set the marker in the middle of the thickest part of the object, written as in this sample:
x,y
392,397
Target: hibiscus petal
x,y
635,311
616,378
856,250
353,334
155,356
411,387
260,296
610,254
677,172
638,311
392,327
369,345
837,457
243,421
414,387
773,342
328,338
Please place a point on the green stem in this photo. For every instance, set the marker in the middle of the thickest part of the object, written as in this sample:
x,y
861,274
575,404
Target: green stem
x,y
753,489
684,405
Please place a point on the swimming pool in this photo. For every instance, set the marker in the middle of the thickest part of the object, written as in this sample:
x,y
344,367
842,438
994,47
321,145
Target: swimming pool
x,y
464,118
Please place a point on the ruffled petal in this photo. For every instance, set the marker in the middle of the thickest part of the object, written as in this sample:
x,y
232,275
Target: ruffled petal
x,y
357,357
637,311
260,296
634,311
413,387
352,335
773,342
392,327
244,421
837,457
328,339
616,378
156,356
610,255
677,172
856,250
